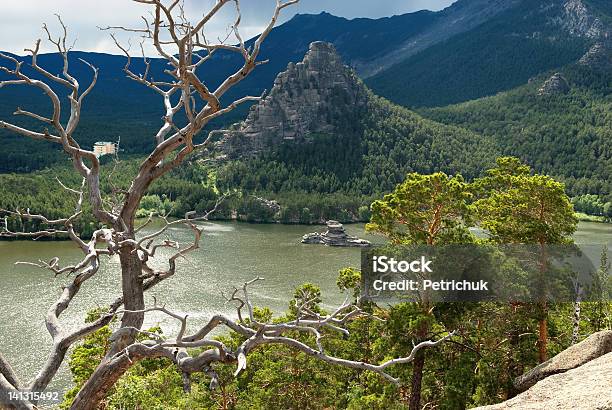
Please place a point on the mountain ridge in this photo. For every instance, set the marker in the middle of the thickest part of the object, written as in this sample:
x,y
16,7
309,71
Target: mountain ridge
x,y
470,13
565,132
523,41
319,95
545,129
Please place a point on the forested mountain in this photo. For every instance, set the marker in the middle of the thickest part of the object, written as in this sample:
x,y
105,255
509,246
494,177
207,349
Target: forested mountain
x,y
564,132
321,130
530,38
121,107
471,49
320,143
353,144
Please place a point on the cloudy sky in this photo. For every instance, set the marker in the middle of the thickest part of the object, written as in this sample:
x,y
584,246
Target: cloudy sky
x,y
21,20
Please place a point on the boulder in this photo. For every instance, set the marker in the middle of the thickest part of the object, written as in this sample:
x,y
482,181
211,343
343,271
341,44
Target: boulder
x,y
596,345
334,236
588,387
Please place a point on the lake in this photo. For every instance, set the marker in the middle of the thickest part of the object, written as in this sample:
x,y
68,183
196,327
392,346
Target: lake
x,y
230,253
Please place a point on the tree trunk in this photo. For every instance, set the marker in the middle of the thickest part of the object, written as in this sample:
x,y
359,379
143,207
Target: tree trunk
x,y
418,365
543,340
543,307
98,386
417,379
106,374
133,298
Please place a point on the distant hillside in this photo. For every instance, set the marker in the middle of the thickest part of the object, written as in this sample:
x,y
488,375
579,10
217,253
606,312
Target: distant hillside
x,y
323,145
472,49
321,130
320,143
119,107
564,132
532,37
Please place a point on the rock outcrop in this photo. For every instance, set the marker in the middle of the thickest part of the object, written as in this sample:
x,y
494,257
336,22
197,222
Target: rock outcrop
x,y
310,97
579,21
588,387
580,377
599,57
596,345
270,204
557,84
334,236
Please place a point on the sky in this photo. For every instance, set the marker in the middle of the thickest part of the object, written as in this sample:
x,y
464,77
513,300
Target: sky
x,y
21,20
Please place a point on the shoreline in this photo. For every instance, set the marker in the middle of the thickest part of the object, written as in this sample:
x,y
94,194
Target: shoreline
x,y
238,221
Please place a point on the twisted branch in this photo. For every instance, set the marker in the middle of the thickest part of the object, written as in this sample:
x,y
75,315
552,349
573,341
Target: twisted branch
x,y
257,334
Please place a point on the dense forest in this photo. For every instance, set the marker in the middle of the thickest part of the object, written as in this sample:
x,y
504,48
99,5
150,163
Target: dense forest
x,y
389,142
338,176
568,135
494,344
41,192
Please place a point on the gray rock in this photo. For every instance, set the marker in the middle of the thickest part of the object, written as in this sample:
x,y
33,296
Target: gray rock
x,y
594,346
579,21
598,57
271,204
588,387
557,84
309,98
334,236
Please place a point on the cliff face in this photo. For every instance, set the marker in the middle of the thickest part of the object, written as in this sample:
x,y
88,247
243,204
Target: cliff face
x,y
599,57
579,21
314,96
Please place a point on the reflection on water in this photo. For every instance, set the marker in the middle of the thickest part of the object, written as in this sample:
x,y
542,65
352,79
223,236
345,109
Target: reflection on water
x,y
230,254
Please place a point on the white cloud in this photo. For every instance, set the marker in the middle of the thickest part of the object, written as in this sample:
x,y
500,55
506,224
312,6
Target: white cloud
x,y
21,20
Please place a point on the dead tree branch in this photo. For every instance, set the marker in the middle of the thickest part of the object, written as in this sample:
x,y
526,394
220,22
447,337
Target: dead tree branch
x,y
257,334
185,48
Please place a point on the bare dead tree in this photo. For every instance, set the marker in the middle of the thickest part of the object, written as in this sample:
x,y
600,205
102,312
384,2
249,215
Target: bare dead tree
x,y
185,48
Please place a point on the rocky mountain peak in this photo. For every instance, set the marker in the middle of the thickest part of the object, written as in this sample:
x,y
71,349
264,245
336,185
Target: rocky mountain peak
x,y
309,97
320,54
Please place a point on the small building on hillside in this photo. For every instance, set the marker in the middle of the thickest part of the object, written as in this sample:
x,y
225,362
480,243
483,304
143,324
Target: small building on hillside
x,y
104,148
